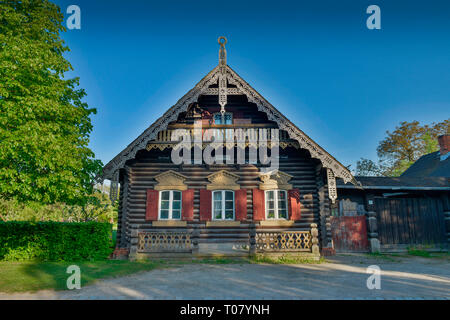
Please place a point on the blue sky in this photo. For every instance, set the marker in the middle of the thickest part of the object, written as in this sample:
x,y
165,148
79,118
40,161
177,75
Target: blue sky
x,y
315,61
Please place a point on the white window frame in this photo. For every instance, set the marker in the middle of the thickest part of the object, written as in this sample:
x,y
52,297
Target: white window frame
x,y
275,207
223,206
170,204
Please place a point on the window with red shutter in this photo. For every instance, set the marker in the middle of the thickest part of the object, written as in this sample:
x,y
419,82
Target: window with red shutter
x,y
151,213
205,205
170,203
276,204
294,204
240,197
259,211
223,205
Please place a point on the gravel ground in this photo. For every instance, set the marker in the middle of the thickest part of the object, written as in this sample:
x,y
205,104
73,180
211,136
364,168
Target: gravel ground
x,y
341,277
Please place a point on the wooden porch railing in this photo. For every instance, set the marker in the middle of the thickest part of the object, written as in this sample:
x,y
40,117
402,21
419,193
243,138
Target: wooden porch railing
x,y
285,241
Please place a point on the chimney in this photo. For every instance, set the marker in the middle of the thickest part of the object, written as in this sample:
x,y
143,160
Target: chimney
x,y
444,146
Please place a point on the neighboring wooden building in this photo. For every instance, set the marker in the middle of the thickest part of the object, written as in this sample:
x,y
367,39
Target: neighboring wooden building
x,y
396,213
234,208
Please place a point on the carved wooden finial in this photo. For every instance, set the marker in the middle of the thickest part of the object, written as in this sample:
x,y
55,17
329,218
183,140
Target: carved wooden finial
x,y
222,51
222,75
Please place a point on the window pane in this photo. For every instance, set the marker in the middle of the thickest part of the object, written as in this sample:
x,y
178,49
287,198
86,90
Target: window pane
x,y
176,214
228,214
164,214
270,195
176,195
217,214
282,204
228,118
228,195
281,195
165,204
228,205
282,214
165,195
217,195
218,118
270,205
217,205
176,205
271,214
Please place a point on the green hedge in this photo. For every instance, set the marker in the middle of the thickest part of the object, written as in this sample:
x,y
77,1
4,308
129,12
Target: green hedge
x,y
54,241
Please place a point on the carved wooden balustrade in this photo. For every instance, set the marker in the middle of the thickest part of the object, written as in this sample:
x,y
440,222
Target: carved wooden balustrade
x,y
285,241
168,139
224,132
164,242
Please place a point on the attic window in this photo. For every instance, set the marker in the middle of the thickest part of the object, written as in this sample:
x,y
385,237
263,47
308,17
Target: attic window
x,y
227,118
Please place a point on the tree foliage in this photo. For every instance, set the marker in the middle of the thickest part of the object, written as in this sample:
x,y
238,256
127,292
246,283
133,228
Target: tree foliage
x,y
44,124
402,147
98,208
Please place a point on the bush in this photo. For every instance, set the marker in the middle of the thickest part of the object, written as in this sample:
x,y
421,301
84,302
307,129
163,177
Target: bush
x,y
54,241
98,208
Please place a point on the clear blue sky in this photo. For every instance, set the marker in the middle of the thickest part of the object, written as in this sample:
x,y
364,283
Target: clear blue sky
x,y
315,61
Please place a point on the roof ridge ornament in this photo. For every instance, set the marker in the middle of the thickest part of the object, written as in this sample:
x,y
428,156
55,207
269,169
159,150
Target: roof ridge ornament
x,y
222,76
222,51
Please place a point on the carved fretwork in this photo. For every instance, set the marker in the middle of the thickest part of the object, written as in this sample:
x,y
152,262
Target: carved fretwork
x,y
332,191
223,180
170,180
278,180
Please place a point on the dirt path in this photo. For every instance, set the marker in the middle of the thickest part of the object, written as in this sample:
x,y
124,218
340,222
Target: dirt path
x,y
343,277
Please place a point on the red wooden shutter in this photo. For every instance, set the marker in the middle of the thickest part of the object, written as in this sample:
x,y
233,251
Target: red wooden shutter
x,y
259,210
187,211
205,205
240,204
151,212
294,204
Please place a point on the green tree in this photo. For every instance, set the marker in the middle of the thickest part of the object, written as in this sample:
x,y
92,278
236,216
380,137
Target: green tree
x,y
44,124
402,147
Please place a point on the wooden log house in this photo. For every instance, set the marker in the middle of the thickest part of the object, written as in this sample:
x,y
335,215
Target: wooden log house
x,y
168,209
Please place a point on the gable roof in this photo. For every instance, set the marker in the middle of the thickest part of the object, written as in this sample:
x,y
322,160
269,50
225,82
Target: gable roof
x,y
429,165
111,170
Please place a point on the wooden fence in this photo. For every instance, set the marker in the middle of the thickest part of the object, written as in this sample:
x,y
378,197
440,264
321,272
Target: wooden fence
x,y
410,221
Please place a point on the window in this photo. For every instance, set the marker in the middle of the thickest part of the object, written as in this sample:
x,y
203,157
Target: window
x,y
276,204
223,205
227,118
170,205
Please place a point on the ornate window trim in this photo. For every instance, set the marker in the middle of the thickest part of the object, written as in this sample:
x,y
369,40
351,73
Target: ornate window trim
x,y
223,180
278,180
170,180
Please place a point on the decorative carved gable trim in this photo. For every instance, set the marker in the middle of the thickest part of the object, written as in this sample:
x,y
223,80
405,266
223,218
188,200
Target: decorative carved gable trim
x,y
253,96
170,180
223,180
277,180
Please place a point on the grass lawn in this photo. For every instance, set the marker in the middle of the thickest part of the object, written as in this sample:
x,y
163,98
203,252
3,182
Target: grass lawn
x,y
33,276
